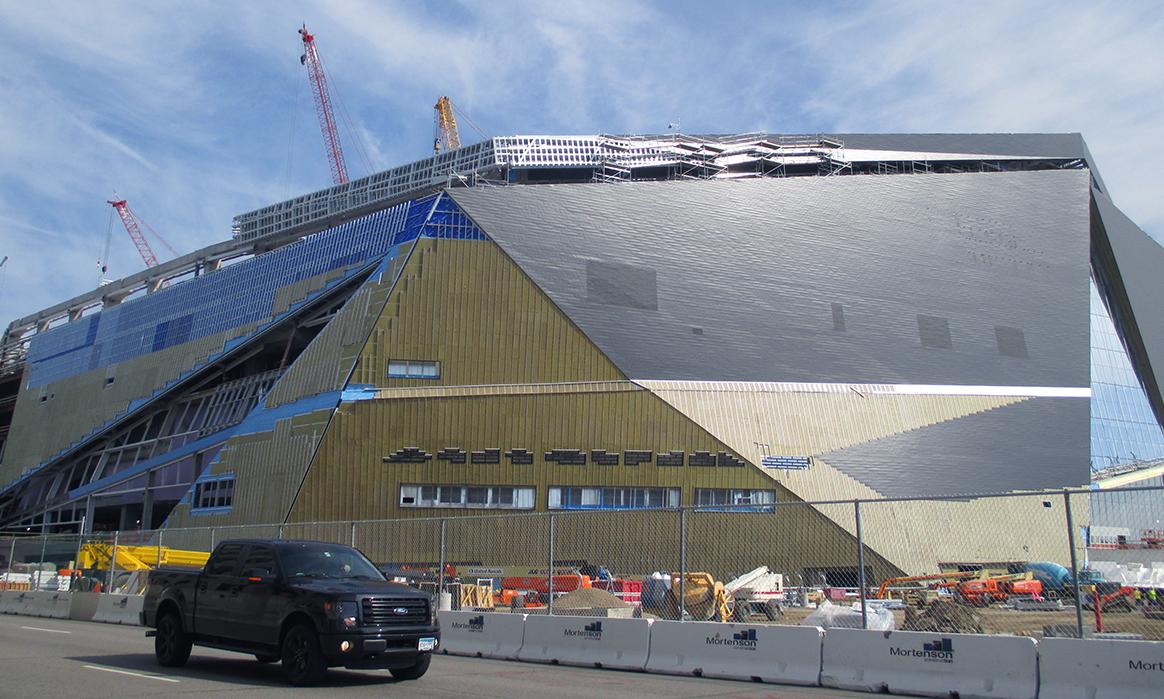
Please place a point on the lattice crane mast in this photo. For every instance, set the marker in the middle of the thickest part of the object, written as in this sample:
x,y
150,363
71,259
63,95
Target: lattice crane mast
x,y
446,136
322,97
134,225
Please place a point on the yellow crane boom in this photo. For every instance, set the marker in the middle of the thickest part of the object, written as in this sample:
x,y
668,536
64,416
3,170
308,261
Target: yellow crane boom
x,y
447,135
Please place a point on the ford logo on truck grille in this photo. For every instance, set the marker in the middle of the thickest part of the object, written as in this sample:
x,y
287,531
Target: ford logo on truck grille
x,y
400,611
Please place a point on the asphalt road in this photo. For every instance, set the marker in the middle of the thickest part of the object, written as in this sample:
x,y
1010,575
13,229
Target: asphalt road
x,y
52,658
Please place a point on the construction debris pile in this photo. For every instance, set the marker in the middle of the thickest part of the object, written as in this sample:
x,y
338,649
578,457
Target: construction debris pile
x,y
942,616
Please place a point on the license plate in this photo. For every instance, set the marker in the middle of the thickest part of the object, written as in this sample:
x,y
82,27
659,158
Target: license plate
x,y
426,644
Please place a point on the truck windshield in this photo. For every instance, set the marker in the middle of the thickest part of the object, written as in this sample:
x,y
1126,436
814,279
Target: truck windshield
x,y
325,561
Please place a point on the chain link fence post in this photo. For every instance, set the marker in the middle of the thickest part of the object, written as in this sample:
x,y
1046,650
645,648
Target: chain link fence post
x,y
353,544
682,564
1074,563
11,555
280,531
40,566
550,571
861,565
441,561
112,565
212,539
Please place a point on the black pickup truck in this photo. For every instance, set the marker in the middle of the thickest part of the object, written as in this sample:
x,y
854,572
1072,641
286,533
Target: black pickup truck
x,y
309,604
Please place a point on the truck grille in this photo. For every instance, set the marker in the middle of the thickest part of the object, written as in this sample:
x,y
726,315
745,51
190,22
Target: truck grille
x,y
385,611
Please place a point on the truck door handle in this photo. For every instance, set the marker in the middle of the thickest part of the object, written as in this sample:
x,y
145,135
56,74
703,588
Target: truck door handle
x,y
202,587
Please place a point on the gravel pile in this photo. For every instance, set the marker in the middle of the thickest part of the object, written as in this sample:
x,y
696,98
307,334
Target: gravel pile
x,y
589,598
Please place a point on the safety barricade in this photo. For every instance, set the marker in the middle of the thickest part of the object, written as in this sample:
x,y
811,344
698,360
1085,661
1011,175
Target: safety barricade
x,y
119,609
930,664
57,604
83,605
1099,668
482,634
784,654
53,605
587,641
27,603
10,602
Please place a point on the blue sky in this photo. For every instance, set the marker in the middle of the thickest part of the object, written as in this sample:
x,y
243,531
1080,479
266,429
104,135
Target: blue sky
x,y
197,111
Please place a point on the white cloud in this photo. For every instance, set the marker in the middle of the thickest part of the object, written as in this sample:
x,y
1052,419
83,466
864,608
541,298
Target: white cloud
x,y
197,112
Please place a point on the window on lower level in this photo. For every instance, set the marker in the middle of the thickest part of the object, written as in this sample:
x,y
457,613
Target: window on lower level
x,y
502,497
595,498
735,500
413,369
214,494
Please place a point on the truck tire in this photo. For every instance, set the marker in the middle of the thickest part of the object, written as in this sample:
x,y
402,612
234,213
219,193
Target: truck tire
x,y
413,672
171,644
303,662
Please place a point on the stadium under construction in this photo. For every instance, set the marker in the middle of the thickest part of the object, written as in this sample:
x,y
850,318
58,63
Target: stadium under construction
x,y
537,323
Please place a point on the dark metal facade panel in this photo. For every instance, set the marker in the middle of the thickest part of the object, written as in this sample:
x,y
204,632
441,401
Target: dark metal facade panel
x,y
747,273
1038,443
1131,268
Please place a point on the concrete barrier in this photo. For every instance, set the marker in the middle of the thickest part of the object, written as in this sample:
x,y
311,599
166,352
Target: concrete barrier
x,y
56,604
590,642
785,654
10,602
53,605
119,609
930,664
83,605
482,634
1101,669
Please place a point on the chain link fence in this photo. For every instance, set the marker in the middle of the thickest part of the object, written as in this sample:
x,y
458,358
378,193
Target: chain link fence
x,y
1057,563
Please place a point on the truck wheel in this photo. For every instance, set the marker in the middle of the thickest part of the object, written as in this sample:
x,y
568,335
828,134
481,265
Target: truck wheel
x,y
413,672
303,662
171,644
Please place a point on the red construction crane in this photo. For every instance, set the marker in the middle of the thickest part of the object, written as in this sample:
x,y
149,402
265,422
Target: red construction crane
x,y
133,226
322,97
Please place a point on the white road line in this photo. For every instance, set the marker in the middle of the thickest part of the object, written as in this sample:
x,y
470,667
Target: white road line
x,y
37,628
133,674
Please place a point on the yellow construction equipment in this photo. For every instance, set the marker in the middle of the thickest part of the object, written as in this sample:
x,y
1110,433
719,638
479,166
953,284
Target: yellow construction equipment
x,y
704,597
99,555
446,135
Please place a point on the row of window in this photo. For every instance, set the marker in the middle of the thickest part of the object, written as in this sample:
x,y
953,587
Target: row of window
x,y
413,369
569,457
585,498
579,497
215,494
479,496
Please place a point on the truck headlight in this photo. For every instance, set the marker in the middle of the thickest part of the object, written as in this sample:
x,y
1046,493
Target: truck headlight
x,y
344,612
